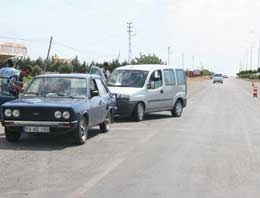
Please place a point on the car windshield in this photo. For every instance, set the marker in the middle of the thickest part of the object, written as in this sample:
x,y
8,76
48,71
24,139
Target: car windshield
x,y
127,78
217,75
57,87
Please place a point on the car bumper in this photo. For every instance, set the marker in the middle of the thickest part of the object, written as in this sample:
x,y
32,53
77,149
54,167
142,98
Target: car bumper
x,y
55,127
218,80
125,108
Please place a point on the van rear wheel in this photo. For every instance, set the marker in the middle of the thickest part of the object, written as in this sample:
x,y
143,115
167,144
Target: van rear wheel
x,y
177,109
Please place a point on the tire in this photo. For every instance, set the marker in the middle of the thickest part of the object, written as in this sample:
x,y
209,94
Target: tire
x,y
104,127
81,132
12,136
177,109
139,112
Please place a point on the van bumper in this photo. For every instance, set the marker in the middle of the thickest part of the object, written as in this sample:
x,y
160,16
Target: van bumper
x,y
184,102
125,108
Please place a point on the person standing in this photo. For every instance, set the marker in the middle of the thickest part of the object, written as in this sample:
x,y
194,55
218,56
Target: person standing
x,y
105,70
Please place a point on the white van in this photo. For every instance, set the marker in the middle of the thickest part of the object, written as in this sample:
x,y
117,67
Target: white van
x,y
142,89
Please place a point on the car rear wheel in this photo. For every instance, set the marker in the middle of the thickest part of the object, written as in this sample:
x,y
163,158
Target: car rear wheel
x,y
177,109
139,112
81,132
12,136
104,127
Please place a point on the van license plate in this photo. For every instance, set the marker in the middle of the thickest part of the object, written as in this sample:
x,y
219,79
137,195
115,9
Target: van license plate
x,y
30,129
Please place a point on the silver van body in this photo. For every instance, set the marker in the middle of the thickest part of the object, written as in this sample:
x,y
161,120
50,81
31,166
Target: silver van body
x,y
144,89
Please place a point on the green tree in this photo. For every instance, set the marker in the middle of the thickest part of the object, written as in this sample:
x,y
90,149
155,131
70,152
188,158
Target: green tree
x,y
147,59
65,69
36,70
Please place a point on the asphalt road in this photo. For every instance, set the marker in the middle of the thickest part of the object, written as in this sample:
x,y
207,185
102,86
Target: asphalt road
x,y
212,151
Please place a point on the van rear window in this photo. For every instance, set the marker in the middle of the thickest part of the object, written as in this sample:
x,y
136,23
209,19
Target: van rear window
x,y
169,77
181,78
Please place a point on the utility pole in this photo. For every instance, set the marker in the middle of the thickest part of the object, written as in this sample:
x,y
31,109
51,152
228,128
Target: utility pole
x,y
169,54
193,62
130,31
182,60
48,54
258,61
251,58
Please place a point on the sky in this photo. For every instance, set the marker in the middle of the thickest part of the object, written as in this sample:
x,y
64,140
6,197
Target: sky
x,y
219,34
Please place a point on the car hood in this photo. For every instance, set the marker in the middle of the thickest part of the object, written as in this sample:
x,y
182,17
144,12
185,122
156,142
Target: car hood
x,y
125,90
44,102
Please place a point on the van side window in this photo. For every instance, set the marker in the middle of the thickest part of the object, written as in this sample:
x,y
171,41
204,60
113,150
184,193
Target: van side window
x,y
181,78
169,77
156,77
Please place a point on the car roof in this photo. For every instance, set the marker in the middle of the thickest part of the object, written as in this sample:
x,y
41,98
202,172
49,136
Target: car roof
x,y
146,67
68,75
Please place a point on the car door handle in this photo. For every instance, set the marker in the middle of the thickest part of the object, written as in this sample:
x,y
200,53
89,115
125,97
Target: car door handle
x,y
161,91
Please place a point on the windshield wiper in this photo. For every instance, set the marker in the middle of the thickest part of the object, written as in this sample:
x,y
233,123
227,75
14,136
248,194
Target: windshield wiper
x,y
31,93
77,97
55,94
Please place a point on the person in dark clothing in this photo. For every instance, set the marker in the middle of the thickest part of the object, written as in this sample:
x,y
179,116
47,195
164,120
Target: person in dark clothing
x,y
16,82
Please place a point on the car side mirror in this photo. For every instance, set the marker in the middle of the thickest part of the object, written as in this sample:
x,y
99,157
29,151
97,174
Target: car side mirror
x,y
94,93
151,85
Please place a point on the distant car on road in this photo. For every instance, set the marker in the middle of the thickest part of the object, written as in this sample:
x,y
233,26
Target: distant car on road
x,y
225,76
217,78
142,89
60,103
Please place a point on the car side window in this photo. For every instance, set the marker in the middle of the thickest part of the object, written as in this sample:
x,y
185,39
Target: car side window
x,y
156,77
181,78
101,88
93,89
169,77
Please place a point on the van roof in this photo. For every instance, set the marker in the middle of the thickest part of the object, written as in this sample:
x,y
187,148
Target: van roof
x,y
146,67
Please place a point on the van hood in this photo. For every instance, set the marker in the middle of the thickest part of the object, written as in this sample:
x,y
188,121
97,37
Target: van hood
x,y
125,90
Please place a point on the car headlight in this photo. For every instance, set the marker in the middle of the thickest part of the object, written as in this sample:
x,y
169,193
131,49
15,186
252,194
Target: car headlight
x,y
8,112
58,114
66,115
16,113
123,96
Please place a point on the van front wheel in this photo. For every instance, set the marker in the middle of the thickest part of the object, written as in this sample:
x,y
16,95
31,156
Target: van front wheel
x,y
177,109
139,112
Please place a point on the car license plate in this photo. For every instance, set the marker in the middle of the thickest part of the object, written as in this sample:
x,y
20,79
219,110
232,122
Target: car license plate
x,y
31,129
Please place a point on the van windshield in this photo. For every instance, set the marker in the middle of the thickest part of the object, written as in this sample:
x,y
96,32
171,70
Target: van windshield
x,y
127,78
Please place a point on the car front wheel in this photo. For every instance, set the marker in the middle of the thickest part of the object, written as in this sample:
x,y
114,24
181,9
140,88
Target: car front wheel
x,y
177,109
104,127
12,136
81,132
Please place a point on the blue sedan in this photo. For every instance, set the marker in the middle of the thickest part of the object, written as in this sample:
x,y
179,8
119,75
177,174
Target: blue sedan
x,y
60,103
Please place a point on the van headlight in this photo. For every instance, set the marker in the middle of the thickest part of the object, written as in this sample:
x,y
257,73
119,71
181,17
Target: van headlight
x,y
66,115
8,112
123,96
58,114
16,113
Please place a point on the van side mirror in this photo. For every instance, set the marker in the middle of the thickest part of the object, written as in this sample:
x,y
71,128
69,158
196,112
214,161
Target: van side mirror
x,y
93,93
151,85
